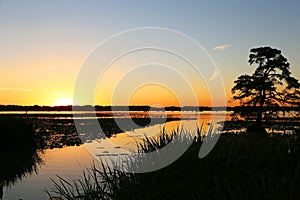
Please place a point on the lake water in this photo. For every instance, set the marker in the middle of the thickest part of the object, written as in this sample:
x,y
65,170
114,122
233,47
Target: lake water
x,y
69,162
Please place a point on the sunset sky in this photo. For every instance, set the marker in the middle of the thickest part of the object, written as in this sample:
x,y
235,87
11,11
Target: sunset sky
x,y
45,43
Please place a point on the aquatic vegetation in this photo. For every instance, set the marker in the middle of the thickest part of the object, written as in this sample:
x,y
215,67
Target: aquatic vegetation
x,y
239,167
57,133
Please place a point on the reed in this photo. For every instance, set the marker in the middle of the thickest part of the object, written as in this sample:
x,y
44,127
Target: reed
x,y
239,167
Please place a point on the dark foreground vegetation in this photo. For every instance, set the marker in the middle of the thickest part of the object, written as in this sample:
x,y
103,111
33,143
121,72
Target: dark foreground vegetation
x,y
19,151
239,167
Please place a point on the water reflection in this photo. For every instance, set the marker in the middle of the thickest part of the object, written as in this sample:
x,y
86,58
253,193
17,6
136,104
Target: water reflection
x,y
23,138
58,133
127,142
19,153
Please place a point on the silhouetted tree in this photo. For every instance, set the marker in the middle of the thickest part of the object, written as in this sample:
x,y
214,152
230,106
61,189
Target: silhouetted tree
x,y
271,84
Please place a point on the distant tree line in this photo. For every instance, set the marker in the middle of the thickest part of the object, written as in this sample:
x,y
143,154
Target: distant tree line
x,y
147,108
110,108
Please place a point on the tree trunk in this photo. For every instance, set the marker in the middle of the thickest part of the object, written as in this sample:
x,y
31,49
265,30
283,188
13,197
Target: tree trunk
x,y
257,128
259,116
261,107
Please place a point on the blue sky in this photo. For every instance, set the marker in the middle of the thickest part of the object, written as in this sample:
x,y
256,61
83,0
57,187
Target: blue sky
x,y
43,43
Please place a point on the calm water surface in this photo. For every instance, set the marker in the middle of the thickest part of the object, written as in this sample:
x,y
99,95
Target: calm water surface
x,y
66,162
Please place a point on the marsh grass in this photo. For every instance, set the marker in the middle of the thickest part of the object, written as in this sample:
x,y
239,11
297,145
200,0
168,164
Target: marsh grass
x,y
19,153
239,167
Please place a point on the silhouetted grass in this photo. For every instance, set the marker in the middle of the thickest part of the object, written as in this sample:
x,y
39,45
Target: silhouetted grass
x,y
16,132
239,167
19,153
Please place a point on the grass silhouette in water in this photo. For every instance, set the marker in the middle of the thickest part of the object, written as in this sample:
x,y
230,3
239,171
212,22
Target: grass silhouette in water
x,y
239,167
18,151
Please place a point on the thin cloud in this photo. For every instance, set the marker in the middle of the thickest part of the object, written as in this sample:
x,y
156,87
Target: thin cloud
x,y
221,47
215,75
17,89
33,90
59,93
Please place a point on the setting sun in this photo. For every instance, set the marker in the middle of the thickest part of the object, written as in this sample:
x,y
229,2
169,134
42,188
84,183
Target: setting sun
x,y
63,102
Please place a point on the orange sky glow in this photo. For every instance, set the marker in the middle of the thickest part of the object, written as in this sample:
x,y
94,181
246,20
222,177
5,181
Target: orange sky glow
x,y
44,45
